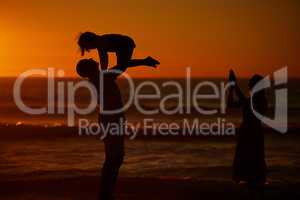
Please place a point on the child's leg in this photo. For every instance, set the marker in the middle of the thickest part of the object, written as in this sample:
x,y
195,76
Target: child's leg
x,y
149,61
124,60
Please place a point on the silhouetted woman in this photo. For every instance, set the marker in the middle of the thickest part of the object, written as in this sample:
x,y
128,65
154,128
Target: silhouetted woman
x,y
249,162
123,46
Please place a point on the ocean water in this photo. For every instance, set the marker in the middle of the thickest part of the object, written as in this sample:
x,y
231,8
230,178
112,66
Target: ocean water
x,y
197,158
34,94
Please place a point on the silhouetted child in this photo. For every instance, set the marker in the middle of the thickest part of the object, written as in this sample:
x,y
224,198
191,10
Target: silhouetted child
x,y
122,45
249,163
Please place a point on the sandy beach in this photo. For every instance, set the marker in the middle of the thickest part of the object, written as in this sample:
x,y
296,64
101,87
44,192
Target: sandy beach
x,y
87,188
39,163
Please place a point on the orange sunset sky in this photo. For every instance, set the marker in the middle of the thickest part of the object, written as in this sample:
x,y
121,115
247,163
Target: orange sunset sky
x,y
211,36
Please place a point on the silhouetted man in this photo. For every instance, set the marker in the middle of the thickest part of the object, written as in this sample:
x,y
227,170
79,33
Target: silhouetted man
x,y
110,100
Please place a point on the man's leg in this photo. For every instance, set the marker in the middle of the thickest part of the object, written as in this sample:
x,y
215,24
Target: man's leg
x,y
114,154
256,190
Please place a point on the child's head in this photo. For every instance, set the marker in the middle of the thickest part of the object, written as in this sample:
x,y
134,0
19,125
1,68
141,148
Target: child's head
x,y
87,68
87,41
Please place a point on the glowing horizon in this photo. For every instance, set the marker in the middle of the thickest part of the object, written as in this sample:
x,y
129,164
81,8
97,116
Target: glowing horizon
x,y
211,37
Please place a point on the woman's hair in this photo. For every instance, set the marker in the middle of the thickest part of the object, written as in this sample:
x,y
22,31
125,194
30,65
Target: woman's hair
x,y
254,80
260,102
86,67
86,41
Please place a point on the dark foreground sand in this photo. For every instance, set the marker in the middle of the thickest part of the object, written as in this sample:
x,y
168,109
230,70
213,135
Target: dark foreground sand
x,y
86,188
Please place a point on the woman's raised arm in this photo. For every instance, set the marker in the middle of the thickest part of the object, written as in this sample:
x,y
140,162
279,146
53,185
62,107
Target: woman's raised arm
x,y
235,88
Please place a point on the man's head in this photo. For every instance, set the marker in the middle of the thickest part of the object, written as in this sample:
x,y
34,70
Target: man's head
x,y
87,41
87,68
